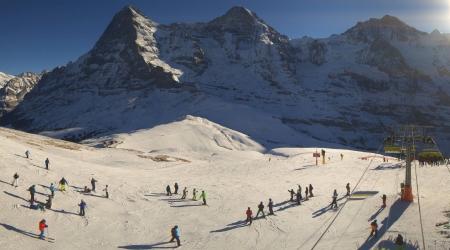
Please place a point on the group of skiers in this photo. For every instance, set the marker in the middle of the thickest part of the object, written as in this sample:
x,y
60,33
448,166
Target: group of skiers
x,y
298,194
185,191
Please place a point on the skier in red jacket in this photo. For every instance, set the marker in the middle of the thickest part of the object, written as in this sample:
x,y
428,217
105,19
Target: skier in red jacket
x,y
42,227
249,216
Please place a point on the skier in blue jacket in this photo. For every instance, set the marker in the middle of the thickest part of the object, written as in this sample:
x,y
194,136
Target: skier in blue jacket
x,y
82,207
52,189
174,234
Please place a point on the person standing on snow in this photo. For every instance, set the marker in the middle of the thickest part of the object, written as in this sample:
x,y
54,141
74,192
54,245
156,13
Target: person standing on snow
x,y
374,227
106,191
348,189
176,188
93,181
299,197
15,182
82,207
42,227
334,202
306,193
46,163
399,242
384,200
310,191
292,194
335,193
184,193
174,234
203,196
270,207
300,191
32,191
261,210
49,203
52,189
168,190
194,197
249,216
27,153
63,183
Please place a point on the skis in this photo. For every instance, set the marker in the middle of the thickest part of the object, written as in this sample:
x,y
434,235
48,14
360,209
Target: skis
x,y
51,240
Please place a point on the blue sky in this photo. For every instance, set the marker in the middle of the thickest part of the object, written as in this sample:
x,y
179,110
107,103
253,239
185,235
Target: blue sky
x,y
37,35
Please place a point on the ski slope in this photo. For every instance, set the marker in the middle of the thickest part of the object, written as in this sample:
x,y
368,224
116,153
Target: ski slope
x,y
234,171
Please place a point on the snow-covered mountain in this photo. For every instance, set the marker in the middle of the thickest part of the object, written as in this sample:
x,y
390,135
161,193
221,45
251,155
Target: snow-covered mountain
x,y
237,70
14,88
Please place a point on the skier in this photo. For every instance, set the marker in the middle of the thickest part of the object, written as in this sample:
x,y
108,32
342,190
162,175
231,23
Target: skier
x,y
46,163
174,233
63,183
42,227
310,191
93,181
168,190
334,202
184,193
27,153
176,188
299,197
16,180
52,189
306,193
261,210
335,193
86,190
348,189
384,200
32,190
292,194
374,227
249,216
203,196
399,241
82,207
300,191
106,191
270,207
194,197
48,205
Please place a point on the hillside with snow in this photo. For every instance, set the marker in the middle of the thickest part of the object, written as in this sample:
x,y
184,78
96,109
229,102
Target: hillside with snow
x,y
234,170
238,71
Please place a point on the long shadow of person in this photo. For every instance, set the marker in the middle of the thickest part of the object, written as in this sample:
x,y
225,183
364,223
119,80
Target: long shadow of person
x,y
152,246
16,196
231,226
29,234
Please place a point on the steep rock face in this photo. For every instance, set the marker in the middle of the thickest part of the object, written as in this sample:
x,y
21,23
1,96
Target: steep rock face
x,y
14,90
341,89
4,78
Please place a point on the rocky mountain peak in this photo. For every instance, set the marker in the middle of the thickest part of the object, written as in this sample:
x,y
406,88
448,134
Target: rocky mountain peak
x,y
235,17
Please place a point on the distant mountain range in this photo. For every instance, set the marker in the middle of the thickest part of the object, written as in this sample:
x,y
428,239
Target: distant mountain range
x,y
236,70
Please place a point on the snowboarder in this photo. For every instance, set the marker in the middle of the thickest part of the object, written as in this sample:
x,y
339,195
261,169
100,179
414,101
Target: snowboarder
x,y
42,227
299,197
194,197
184,193
46,163
310,191
399,241
106,191
334,202
384,200
335,193
174,234
292,194
203,196
32,191
270,207
63,183
374,227
52,189
93,181
15,182
306,193
48,205
249,216
261,210
86,190
168,190
348,189
82,207
176,188
27,153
